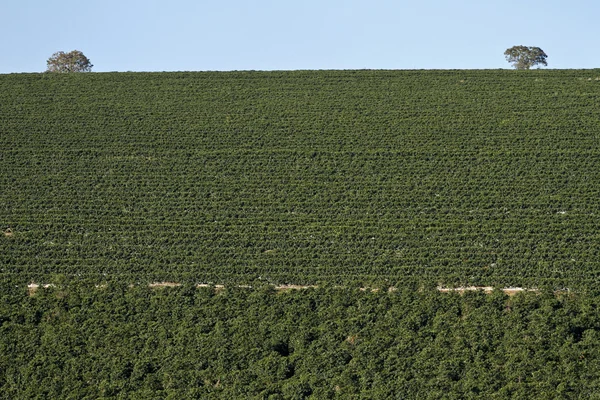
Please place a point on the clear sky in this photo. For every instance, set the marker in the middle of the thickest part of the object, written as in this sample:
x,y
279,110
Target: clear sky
x,y
198,35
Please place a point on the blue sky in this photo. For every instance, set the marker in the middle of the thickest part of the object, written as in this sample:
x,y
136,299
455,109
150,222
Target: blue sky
x,y
186,35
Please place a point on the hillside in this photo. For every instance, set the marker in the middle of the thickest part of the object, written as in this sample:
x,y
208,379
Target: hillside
x,y
119,342
369,177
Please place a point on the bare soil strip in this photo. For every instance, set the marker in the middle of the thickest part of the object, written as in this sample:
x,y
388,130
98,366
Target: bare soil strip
x,y
511,291
163,284
204,285
32,287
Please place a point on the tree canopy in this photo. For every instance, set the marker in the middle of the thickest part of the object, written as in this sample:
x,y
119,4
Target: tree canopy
x,y
74,61
524,57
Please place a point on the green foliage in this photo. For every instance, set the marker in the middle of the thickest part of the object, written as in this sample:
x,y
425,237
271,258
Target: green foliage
x,y
73,61
523,57
81,341
330,177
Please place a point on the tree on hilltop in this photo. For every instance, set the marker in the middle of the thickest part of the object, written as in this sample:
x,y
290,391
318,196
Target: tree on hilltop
x,y
73,61
524,57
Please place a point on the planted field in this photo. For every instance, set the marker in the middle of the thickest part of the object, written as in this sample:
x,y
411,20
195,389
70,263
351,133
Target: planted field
x,y
337,343
459,177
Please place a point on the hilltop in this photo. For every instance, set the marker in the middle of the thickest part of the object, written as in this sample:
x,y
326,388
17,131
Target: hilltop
x,y
487,178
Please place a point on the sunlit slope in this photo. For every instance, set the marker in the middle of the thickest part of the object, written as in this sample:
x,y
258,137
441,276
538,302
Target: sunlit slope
x,y
464,177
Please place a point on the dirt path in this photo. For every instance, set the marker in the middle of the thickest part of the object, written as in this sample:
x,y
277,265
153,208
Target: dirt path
x,y
511,291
